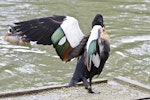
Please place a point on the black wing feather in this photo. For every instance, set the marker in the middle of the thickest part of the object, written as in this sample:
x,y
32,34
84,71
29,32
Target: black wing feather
x,y
40,29
79,50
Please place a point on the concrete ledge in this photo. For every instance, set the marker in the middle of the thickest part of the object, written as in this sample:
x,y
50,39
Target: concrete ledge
x,y
41,89
133,83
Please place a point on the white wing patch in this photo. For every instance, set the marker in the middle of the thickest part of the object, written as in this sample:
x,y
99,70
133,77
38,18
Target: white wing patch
x,y
62,41
96,60
72,31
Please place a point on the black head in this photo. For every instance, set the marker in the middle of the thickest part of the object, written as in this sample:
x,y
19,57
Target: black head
x,y
98,20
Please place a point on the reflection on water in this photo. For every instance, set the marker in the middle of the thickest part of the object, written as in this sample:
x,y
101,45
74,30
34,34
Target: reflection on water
x,y
127,22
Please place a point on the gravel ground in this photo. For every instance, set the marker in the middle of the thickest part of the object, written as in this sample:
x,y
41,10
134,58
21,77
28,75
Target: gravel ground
x,y
108,91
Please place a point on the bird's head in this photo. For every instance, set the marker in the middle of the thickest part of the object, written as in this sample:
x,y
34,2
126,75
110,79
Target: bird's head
x,y
98,25
98,20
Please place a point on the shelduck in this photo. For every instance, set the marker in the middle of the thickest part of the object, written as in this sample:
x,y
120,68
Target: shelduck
x,y
64,33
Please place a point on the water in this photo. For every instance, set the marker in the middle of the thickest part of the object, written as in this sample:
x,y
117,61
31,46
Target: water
x,y
127,23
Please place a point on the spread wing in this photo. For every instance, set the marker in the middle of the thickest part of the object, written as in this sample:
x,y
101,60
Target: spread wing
x,y
61,31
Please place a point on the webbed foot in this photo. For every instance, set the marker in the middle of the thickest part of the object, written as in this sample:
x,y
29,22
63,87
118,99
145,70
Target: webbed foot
x,y
93,91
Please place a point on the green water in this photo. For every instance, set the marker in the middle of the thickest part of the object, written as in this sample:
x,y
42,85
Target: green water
x,y
126,21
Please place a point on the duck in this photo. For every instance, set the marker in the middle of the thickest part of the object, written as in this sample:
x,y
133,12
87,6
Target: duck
x,y
69,42
96,53
14,38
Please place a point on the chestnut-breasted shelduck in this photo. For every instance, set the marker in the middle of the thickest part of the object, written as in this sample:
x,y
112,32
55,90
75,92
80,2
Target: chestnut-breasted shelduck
x,y
64,33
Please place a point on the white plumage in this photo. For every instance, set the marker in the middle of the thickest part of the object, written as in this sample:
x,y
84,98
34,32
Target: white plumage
x,y
72,31
62,41
94,35
96,60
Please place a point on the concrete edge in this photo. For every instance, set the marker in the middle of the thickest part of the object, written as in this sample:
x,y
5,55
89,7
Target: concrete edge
x,y
45,88
133,83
